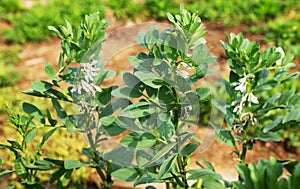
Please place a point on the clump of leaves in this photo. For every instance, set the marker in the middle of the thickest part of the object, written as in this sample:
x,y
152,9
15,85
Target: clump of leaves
x,y
253,73
268,174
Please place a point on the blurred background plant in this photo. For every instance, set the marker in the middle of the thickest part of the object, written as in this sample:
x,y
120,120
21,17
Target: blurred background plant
x,y
9,58
31,25
277,20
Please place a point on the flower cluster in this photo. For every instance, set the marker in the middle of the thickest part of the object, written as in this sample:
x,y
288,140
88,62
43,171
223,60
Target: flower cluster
x,y
247,97
238,105
87,75
243,82
88,71
88,109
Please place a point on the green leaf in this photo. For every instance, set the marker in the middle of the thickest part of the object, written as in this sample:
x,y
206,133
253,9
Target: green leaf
x,y
57,94
88,152
46,137
15,144
10,187
140,109
295,99
52,122
5,172
55,161
267,85
293,115
182,84
126,174
296,175
273,125
104,96
50,71
208,164
268,137
150,187
147,78
291,77
188,149
126,92
52,28
33,111
167,165
165,95
203,174
166,130
146,178
39,165
104,74
200,58
244,172
41,86
126,154
32,185
62,115
129,124
136,141
130,80
73,164
19,167
272,99
112,129
220,105
210,183
57,174
272,58
203,93
30,135
285,97
107,120
226,137
140,39
161,153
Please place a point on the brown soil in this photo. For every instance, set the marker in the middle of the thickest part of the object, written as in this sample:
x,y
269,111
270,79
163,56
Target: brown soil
x,y
119,44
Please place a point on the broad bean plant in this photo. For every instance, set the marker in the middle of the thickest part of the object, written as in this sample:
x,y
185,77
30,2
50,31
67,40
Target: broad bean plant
x,y
145,130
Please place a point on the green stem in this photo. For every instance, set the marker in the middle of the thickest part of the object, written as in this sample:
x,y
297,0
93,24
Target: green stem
x,y
180,162
106,178
182,170
167,185
102,176
243,154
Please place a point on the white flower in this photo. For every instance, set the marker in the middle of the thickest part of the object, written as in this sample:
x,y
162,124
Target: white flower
x,y
252,99
89,72
245,117
238,105
280,50
238,108
242,84
90,88
76,88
